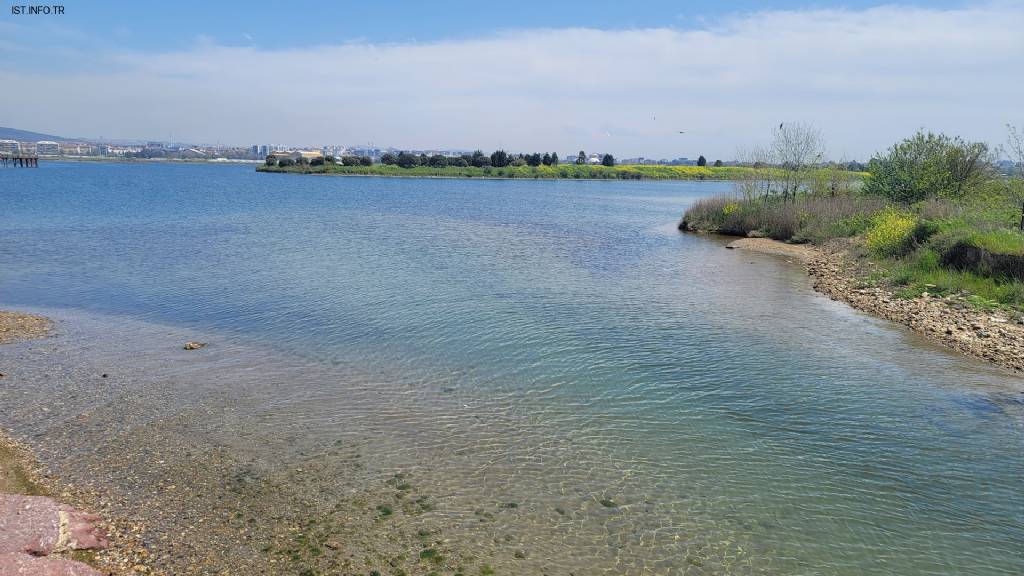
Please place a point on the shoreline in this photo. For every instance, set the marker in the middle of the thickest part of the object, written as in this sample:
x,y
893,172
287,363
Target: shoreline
x,y
992,336
22,476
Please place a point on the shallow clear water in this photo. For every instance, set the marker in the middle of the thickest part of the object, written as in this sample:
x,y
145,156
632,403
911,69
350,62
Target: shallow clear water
x,y
551,343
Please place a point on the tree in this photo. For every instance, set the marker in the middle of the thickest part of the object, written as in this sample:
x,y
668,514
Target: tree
x,y
546,160
929,165
554,158
271,161
702,161
318,161
608,160
302,161
438,161
535,159
330,159
407,160
796,148
1015,147
480,160
285,162
365,161
388,158
459,161
499,159
581,158
350,160
718,163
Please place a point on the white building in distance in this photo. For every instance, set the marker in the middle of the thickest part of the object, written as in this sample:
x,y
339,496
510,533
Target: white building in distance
x,y
47,148
9,147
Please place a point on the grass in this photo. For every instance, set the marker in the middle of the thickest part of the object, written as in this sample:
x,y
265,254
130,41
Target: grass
x,y
562,171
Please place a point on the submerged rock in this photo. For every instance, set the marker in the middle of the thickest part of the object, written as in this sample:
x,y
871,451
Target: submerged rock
x,y
191,345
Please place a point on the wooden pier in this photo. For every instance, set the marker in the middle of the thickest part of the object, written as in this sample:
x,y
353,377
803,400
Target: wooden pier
x,y
19,160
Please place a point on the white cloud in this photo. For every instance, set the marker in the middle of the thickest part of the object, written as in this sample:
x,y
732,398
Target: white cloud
x,y
865,77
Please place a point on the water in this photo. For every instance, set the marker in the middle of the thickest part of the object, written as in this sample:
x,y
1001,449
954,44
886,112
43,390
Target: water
x,y
651,402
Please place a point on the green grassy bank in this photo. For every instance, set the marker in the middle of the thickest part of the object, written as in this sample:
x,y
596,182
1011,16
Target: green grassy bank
x,y
952,238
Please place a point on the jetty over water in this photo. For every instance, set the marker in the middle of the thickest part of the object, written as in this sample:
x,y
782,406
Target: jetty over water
x,y
21,160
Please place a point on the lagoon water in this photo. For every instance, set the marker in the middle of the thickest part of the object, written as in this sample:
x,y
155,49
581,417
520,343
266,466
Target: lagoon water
x,y
650,402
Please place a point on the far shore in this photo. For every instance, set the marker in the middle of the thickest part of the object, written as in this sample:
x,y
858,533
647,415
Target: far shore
x,y
555,172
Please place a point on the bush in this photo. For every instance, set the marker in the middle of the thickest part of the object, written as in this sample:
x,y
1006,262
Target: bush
x,y
891,233
365,161
929,165
285,162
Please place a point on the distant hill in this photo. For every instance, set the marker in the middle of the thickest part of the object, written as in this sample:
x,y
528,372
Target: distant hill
x,y
25,135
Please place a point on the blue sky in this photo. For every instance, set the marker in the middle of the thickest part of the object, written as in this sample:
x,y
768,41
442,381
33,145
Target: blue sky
x,y
275,25
621,77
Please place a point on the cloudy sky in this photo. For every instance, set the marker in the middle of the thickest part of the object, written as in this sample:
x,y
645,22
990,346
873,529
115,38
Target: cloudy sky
x,y
559,75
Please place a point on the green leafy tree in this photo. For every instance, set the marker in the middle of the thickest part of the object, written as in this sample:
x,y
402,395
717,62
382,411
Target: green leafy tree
x,y
350,160
459,161
608,160
581,158
479,159
407,160
702,161
302,161
499,159
718,163
546,160
318,161
554,158
285,162
535,159
438,161
271,161
330,159
389,159
365,161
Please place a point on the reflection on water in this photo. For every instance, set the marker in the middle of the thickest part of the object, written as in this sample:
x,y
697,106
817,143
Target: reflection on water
x,y
649,402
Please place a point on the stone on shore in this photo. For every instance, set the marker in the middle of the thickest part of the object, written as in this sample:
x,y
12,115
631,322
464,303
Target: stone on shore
x,y
39,526
19,564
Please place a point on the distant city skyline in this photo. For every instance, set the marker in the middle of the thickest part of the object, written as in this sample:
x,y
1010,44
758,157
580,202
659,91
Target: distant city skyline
x,y
654,81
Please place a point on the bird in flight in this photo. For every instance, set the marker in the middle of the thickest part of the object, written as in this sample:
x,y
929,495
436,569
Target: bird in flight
x,y
780,125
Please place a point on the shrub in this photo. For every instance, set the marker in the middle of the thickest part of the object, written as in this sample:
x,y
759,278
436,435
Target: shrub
x,y
285,162
365,161
891,233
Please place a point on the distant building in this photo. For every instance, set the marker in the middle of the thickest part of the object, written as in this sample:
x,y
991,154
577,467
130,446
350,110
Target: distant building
x,y
47,148
9,147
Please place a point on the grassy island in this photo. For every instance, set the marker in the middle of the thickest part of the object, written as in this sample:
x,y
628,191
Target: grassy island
x,y
564,171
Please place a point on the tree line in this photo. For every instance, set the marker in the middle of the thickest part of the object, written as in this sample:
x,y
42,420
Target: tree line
x,y
497,159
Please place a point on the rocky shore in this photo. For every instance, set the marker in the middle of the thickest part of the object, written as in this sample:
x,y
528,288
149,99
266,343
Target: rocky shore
x,y
837,272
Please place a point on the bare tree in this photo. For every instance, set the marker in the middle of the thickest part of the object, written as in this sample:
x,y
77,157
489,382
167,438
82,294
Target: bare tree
x,y
797,148
1015,147
760,180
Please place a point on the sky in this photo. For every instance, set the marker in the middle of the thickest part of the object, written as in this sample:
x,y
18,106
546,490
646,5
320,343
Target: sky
x,y
652,79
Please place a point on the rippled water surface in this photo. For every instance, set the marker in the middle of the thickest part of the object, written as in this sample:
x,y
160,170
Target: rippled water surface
x,y
651,402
